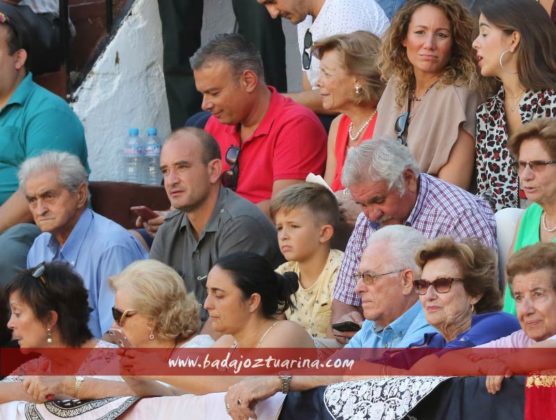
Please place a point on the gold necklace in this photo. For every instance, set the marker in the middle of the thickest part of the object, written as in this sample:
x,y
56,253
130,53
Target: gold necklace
x,y
513,101
355,136
545,226
416,98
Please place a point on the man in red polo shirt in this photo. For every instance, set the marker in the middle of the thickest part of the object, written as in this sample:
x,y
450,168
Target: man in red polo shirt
x,y
268,141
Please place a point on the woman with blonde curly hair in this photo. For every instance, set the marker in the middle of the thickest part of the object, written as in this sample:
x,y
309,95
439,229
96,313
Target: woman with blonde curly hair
x,y
429,102
153,309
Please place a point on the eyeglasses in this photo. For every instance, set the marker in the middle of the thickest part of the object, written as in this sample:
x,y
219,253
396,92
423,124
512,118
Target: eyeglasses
x,y
307,44
400,127
440,285
231,176
536,166
120,316
370,278
38,272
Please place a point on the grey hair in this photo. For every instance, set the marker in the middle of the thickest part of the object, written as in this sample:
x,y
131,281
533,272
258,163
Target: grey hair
x,y
71,173
404,242
232,48
379,160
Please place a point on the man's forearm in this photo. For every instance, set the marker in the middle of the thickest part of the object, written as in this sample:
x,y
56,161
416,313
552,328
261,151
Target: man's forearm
x,y
311,99
15,210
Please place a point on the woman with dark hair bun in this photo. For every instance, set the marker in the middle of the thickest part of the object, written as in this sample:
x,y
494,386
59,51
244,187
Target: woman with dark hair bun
x,y
244,302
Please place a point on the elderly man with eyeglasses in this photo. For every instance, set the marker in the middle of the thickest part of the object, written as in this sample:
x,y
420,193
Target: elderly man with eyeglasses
x,y
384,179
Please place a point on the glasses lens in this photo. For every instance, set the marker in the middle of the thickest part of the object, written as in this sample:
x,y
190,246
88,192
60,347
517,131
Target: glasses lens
x,y
229,178
232,155
421,286
308,40
442,285
306,60
117,315
401,123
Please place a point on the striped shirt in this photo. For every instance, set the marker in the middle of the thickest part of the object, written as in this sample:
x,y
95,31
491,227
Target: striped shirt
x,y
441,209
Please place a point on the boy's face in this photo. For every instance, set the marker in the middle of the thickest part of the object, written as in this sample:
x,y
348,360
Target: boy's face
x,y
299,233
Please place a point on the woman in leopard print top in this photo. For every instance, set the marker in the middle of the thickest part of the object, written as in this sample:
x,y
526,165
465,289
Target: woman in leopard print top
x,y
520,52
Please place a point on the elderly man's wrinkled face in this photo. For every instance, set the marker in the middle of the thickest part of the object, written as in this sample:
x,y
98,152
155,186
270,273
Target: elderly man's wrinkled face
x,y
55,208
535,301
384,205
385,289
294,10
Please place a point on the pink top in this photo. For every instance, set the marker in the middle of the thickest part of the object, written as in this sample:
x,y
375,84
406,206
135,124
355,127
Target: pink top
x,y
513,341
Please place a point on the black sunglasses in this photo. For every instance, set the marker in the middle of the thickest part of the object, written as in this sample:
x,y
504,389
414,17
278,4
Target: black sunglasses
x,y
307,44
120,316
440,285
230,177
400,127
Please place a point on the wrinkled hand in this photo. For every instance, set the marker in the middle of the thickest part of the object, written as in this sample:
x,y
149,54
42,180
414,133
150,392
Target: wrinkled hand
x,y
343,337
45,388
494,383
242,397
152,226
349,209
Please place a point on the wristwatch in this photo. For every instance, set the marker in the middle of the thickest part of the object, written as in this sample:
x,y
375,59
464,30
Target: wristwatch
x,y
78,381
286,381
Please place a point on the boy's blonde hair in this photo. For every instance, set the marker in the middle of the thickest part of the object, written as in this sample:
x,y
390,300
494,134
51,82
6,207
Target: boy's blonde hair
x,y
318,199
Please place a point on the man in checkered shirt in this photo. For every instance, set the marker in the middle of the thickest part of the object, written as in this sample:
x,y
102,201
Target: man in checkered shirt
x,y
385,180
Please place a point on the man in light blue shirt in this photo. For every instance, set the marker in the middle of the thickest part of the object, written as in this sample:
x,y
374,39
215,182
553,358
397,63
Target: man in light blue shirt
x,y
55,186
392,312
393,315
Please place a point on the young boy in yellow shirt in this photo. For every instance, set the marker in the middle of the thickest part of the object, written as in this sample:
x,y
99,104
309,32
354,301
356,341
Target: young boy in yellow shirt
x,y
305,216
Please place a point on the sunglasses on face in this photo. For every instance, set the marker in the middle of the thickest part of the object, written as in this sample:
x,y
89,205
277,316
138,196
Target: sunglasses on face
x,y
400,127
230,177
370,278
440,285
307,56
120,316
536,166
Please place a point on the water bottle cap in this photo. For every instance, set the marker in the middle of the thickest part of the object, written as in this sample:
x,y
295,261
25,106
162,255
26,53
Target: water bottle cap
x,y
133,132
151,131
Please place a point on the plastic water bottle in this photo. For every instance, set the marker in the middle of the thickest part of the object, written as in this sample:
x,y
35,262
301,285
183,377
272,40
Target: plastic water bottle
x,y
133,156
152,158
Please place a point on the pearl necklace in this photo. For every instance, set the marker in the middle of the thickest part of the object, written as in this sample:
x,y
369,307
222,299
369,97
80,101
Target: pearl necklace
x,y
544,226
355,136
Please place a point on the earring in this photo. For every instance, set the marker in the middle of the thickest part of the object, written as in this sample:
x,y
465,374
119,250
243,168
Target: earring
x,y
501,58
151,336
358,90
48,336
472,308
